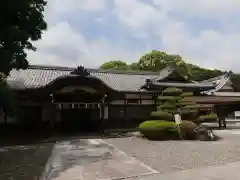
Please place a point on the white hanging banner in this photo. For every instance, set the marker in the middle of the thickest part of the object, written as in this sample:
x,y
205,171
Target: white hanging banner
x,y
177,119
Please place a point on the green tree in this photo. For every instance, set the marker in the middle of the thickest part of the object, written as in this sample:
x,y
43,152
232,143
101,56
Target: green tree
x,y
21,22
157,60
235,79
200,74
6,96
115,65
134,67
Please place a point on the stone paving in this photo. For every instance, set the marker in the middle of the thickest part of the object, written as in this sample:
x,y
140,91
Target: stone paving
x,y
91,160
227,171
171,156
130,157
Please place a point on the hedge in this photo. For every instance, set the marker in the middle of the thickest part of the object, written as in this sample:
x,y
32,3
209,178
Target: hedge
x,y
161,115
189,114
167,106
187,94
172,92
208,118
159,130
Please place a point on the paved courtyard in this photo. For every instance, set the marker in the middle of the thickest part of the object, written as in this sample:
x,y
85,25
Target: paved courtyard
x,y
170,156
129,157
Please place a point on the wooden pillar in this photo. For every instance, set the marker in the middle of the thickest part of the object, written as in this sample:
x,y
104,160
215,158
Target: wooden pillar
x,y
219,117
102,116
221,112
125,110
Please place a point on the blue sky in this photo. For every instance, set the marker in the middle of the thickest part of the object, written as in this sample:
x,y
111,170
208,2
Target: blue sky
x,y
91,32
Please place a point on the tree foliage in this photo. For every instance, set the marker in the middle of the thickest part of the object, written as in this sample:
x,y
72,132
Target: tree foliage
x,y
6,96
21,22
235,79
157,60
115,65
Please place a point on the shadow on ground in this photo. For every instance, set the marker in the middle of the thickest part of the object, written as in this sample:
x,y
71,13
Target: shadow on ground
x,y
24,162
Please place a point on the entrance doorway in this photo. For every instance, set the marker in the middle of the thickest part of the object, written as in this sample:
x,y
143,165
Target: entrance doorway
x,y
80,117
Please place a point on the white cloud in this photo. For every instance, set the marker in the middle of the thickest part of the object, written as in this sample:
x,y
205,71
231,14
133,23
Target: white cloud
x,y
61,45
55,8
135,14
210,8
69,5
210,48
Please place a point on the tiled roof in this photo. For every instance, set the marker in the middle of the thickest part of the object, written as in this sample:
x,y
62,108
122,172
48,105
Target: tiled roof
x,y
38,76
166,72
187,85
221,83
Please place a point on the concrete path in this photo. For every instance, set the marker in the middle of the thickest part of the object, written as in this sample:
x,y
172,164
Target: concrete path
x,y
91,160
221,172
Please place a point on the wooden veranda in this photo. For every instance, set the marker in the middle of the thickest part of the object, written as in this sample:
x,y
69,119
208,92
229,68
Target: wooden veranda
x,y
223,103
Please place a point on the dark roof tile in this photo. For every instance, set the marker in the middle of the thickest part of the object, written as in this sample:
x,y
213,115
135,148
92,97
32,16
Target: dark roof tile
x,y
38,76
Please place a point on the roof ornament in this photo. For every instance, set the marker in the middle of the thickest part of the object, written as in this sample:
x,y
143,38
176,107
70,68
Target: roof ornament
x,y
80,71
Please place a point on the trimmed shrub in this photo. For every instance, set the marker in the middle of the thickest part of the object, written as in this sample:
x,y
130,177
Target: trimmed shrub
x,y
162,115
186,103
208,118
167,106
159,130
172,102
172,92
187,129
187,94
189,114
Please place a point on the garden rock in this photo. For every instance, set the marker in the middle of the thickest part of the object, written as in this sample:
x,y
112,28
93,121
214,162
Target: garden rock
x,y
204,134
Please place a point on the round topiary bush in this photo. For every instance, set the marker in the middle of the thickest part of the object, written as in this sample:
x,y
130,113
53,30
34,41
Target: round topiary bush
x,y
159,130
187,94
161,115
167,106
208,118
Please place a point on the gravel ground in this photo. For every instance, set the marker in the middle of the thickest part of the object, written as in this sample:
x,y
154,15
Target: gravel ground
x,y
24,163
167,156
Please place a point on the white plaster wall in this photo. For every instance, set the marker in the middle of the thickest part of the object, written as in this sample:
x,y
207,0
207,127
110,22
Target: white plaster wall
x,y
133,96
147,101
146,96
117,102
